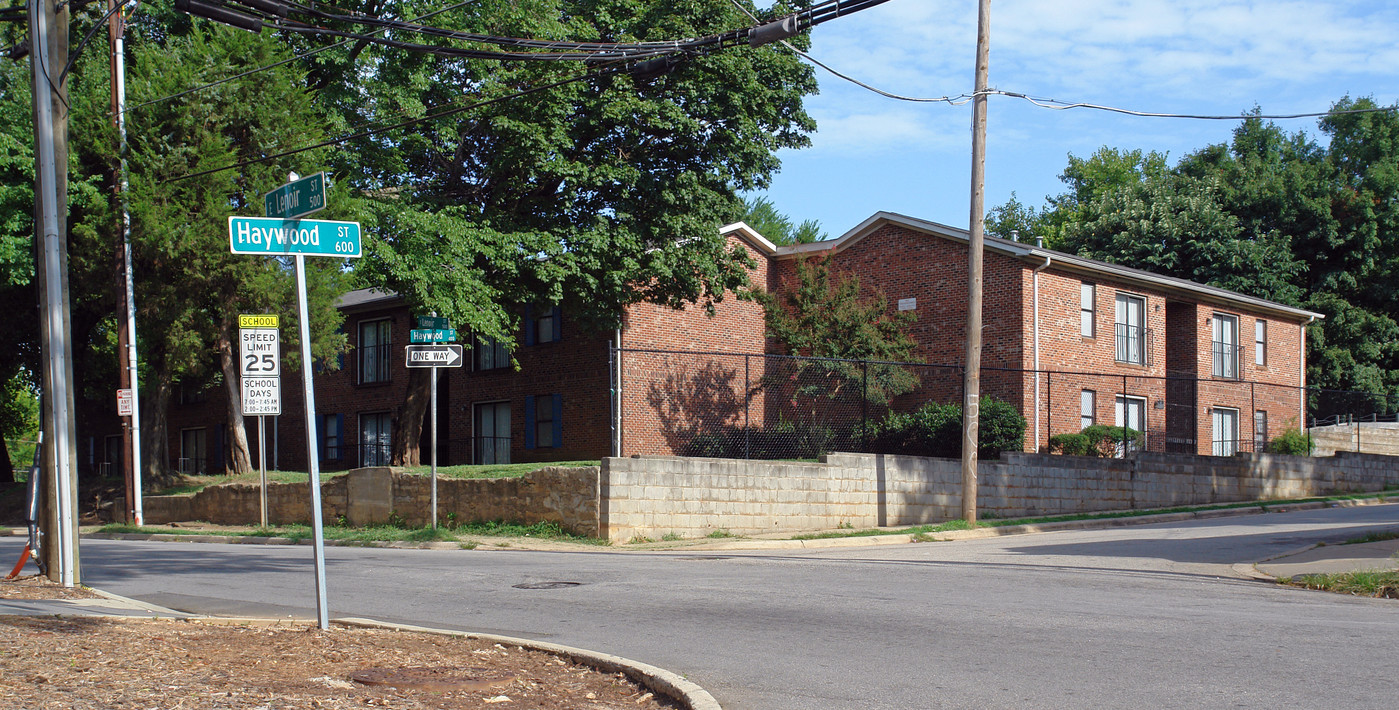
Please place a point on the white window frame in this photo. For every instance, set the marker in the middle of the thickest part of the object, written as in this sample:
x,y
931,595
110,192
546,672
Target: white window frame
x,y
188,459
1260,342
1123,406
1260,430
382,446
1087,310
1087,409
1128,349
1224,346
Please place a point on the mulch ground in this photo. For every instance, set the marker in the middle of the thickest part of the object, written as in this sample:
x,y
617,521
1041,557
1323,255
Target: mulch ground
x,y
145,664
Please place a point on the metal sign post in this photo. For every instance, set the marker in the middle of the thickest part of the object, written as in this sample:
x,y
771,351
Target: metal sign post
x,y
434,356
292,237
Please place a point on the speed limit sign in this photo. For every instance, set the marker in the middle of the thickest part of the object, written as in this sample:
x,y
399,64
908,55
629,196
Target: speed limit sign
x,y
259,348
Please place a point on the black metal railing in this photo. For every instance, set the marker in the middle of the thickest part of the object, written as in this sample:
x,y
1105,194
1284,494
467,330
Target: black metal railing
x,y
1131,343
374,363
1225,359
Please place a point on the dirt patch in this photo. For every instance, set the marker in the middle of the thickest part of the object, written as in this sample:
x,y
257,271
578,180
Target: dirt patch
x,y
37,587
88,663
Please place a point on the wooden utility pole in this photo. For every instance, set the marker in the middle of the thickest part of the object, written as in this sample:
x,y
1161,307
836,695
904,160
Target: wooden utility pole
x,y
48,32
971,379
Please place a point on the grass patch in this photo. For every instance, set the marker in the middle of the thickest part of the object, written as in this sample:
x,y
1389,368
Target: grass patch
x,y
506,470
1379,583
639,540
991,521
194,484
1373,537
378,533
720,534
672,537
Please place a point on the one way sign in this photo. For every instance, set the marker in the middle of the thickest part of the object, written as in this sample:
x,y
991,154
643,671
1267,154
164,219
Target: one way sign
x,y
434,355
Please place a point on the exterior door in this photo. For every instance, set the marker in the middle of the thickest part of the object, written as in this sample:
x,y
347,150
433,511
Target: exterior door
x,y
1225,332
492,433
1130,327
1226,431
375,439
1131,413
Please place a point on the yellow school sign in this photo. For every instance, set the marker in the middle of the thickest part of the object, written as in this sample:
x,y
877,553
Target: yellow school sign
x,y
257,321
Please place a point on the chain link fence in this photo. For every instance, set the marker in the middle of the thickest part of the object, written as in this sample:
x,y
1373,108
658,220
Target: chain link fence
x,y
758,406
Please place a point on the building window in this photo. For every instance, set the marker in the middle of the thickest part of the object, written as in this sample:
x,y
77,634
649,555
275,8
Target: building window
x,y
190,394
1226,431
332,427
1087,300
1087,408
1131,413
194,452
491,433
1260,431
1224,346
1130,331
1260,342
374,344
490,354
375,439
543,326
543,421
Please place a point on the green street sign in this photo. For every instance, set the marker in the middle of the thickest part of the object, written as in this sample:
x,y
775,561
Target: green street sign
x,y
276,237
297,198
433,335
434,322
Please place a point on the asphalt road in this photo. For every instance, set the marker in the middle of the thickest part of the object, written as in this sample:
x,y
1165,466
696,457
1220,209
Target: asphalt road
x,y
1128,617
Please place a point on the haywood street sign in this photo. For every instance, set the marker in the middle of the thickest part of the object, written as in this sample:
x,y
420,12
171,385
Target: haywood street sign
x,y
316,237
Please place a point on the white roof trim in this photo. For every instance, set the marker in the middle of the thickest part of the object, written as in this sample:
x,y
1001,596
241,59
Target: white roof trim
x,y
750,235
1025,251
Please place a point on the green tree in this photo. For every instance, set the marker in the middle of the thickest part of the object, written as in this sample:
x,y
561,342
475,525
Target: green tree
x,y
762,215
827,316
594,194
190,289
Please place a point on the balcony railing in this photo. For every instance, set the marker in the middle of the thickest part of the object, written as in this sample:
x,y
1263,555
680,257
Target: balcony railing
x,y
374,363
1226,359
1132,343
491,449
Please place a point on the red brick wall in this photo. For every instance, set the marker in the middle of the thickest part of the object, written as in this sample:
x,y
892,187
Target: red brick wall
x,y
667,399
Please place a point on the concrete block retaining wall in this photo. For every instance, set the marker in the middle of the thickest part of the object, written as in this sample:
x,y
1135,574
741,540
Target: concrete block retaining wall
x,y
567,496
692,497
654,496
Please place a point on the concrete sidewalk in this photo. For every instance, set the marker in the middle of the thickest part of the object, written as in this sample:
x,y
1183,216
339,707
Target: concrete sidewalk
x,y
1334,559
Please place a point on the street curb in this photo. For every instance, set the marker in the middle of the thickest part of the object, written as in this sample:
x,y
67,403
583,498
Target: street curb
x,y
659,680
160,611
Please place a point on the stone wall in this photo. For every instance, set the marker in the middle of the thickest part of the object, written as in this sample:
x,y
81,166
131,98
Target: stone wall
x,y
567,496
1364,437
692,497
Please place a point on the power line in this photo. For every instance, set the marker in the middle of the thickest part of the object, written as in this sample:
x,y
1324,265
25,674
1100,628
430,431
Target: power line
x,y
274,65
373,131
1056,105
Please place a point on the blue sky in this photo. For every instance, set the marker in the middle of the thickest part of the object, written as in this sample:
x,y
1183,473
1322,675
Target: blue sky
x,y
1171,56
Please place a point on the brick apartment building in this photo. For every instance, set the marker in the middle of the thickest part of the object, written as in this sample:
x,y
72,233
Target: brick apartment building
x,y
1204,369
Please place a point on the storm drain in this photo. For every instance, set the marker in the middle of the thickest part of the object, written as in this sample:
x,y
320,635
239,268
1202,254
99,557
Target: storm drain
x,y
441,679
547,585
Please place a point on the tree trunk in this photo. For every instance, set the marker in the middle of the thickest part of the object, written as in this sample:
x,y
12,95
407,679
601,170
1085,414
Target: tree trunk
x,y
7,468
408,429
238,454
155,436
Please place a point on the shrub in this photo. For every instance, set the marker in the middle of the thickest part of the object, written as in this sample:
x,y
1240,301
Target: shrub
x,y
936,430
1106,441
1292,442
1069,444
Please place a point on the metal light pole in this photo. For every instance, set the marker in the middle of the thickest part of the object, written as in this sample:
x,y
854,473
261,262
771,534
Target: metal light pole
x,y
972,376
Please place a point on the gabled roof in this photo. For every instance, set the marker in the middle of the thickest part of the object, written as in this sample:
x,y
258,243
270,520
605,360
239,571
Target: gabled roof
x,y
366,298
750,235
1038,255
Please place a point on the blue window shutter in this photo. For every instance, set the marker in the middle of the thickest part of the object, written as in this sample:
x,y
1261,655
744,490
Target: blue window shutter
x,y
529,328
557,313
339,452
558,417
216,463
529,422
320,436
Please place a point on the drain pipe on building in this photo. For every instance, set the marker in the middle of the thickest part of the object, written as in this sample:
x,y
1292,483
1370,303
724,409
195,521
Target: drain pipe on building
x,y
1035,276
